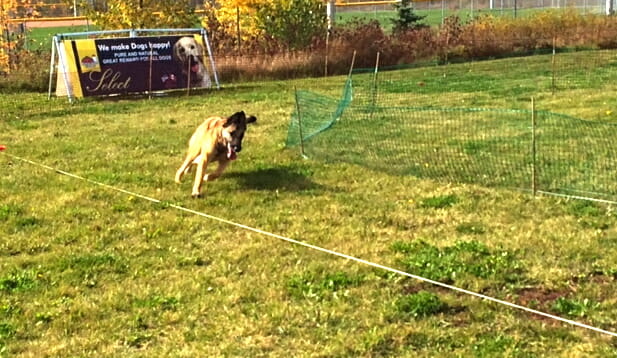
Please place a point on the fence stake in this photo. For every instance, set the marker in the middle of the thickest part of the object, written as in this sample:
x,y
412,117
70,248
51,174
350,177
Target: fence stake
x,y
327,47
374,87
534,182
353,61
299,124
553,67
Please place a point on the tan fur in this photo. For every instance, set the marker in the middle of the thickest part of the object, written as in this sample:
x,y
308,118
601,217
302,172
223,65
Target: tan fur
x,y
209,144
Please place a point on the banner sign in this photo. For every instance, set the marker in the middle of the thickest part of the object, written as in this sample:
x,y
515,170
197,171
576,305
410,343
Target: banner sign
x,y
136,64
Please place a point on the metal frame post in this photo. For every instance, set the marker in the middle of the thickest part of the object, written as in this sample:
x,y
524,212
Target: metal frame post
x,y
204,36
52,64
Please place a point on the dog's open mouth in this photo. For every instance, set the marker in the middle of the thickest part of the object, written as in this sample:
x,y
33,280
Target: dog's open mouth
x,y
231,152
195,68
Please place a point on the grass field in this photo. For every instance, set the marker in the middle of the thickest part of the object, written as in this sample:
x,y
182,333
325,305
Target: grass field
x,y
467,123
41,37
434,17
86,271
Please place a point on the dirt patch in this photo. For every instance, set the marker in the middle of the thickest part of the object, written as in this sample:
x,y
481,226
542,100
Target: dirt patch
x,y
538,296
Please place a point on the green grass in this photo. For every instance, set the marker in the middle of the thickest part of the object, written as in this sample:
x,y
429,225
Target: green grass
x,y
464,123
41,37
419,305
433,17
87,271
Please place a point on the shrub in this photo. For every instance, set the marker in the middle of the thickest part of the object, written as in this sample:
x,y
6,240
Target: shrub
x,y
415,45
366,38
487,36
447,38
30,72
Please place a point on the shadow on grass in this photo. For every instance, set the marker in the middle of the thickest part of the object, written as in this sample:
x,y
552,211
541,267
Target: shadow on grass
x,y
277,178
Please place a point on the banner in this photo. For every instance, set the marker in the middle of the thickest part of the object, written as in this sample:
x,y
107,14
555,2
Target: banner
x,y
108,66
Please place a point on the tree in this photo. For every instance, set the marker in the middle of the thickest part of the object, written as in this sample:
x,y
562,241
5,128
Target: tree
x,y
12,40
290,22
407,18
140,14
231,20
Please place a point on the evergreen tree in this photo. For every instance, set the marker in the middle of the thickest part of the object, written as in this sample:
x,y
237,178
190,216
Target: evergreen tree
x,y
407,19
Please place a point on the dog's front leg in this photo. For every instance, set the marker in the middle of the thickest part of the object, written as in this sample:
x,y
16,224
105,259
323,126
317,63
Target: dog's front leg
x,y
217,173
201,166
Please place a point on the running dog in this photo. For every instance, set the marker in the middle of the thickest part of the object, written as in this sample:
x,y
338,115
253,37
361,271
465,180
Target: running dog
x,y
217,139
189,56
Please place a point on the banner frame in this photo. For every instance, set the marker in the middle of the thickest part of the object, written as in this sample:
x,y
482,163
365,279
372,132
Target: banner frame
x,y
58,58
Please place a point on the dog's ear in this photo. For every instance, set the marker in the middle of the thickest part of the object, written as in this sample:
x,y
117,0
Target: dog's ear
x,y
251,119
235,118
238,116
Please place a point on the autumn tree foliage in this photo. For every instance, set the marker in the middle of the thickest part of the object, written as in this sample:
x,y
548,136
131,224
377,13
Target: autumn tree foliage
x,y
292,23
229,22
140,14
4,45
10,38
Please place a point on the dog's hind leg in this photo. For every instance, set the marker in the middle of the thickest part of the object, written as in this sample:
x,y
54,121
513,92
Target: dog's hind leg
x,y
217,173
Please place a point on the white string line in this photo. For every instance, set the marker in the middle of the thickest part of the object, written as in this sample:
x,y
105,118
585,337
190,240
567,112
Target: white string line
x,y
327,251
603,201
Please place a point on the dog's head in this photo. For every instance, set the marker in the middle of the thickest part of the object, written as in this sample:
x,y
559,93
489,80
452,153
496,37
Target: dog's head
x,y
233,132
188,53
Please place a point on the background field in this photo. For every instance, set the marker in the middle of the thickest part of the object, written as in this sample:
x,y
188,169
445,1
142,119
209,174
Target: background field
x,y
39,34
88,271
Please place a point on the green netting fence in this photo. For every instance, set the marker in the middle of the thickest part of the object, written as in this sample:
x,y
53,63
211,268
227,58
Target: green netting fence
x,y
526,149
